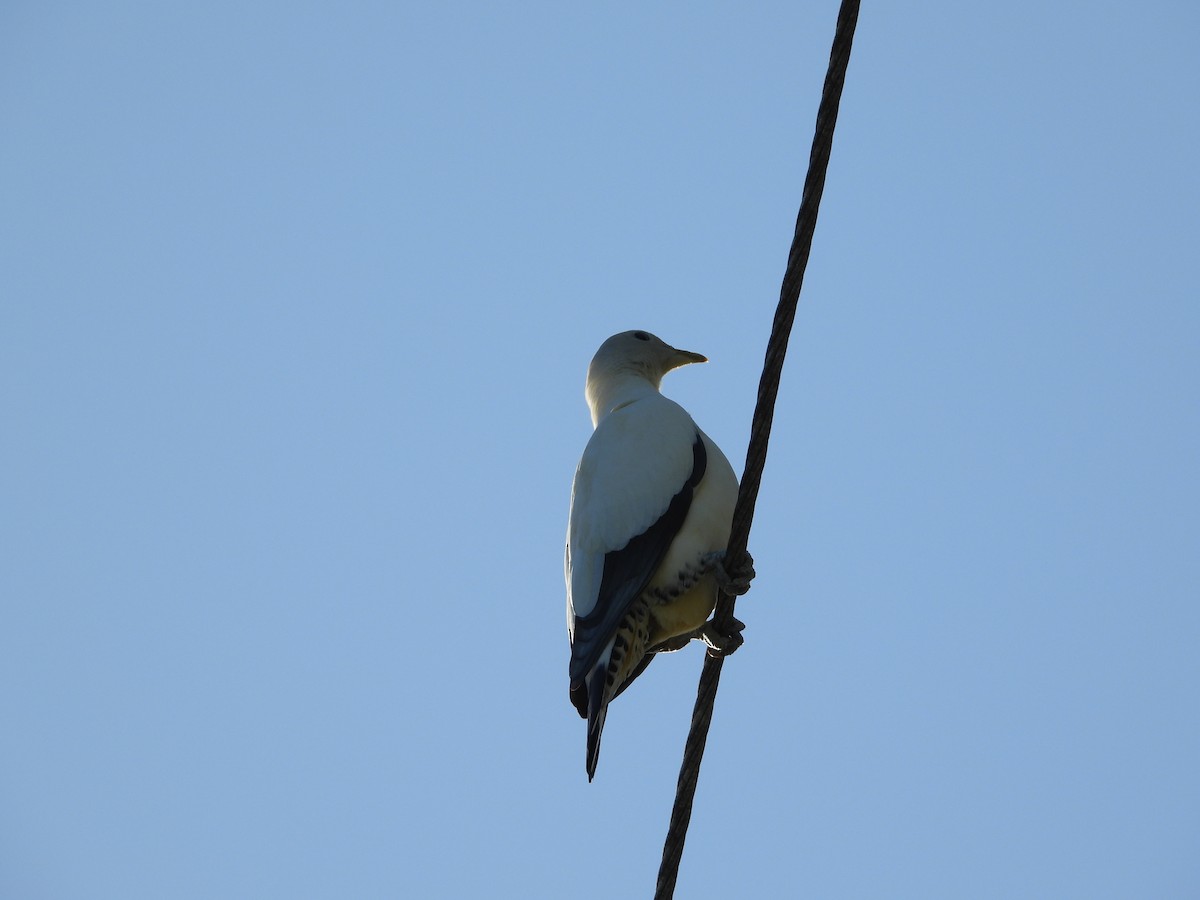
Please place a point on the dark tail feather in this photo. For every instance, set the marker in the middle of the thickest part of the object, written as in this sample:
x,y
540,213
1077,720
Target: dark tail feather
x,y
597,710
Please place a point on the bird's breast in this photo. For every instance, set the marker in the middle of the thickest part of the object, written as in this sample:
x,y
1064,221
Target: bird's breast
x,y
681,610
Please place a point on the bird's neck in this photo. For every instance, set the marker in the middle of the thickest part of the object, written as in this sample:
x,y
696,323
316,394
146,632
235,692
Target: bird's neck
x,y
617,390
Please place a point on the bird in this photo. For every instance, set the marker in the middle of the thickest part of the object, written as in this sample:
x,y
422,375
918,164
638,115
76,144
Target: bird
x,y
651,508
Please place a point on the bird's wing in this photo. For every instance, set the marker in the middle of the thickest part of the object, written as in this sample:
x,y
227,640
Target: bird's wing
x,y
632,492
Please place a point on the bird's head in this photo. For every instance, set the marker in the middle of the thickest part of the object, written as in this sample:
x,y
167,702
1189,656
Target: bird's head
x,y
627,358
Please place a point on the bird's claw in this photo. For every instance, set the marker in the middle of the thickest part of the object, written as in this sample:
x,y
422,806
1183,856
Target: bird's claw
x,y
733,579
720,644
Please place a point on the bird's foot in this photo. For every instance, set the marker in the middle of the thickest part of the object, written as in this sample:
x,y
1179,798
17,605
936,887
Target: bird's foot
x,y
720,644
734,577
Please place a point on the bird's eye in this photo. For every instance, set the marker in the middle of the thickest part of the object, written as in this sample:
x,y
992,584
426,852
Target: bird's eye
x,y
641,335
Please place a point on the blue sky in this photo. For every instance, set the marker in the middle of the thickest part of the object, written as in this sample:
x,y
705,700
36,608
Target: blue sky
x,y
297,302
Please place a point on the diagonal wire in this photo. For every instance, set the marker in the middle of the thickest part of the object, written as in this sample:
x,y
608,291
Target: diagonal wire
x,y
756,453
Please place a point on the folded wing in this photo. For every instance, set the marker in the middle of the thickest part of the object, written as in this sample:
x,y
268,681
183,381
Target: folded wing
x,y
631,495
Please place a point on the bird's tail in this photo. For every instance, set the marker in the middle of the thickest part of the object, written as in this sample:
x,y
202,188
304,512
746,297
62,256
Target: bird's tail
x,y
623,659
597,710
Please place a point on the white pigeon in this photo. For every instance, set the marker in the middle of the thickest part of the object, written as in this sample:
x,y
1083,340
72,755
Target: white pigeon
x,y
651,508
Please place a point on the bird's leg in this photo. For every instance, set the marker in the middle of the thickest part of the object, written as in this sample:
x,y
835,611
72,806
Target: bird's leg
x,y
670,645
718,644
733,578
